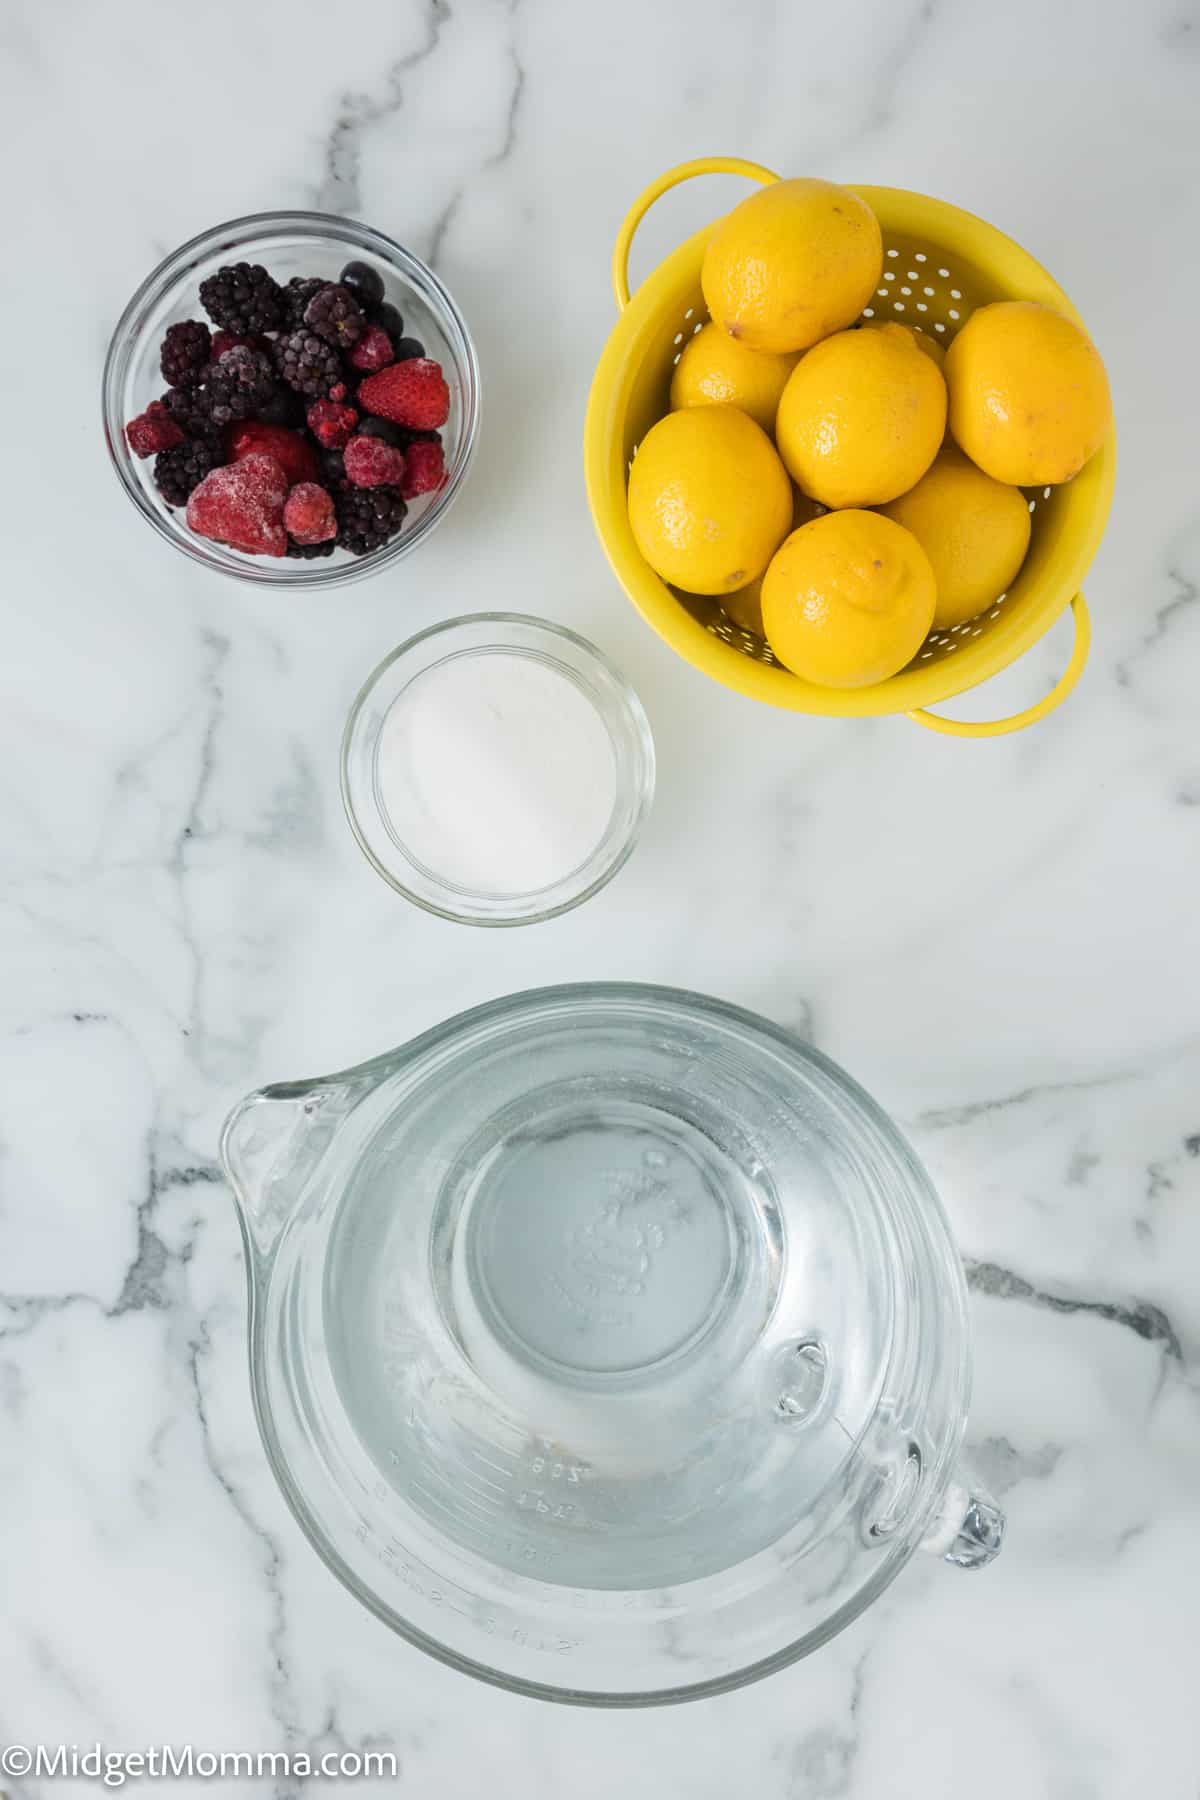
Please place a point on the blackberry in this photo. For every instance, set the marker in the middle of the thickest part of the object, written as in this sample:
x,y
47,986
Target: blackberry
x,y
189,409
238,385
335,315
389,317
407,348
367,517
178,471
296,296
306,552
184,354
365,283
307,363
242,297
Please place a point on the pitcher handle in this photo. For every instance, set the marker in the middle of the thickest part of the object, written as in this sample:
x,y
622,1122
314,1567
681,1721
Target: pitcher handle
x,y
700,165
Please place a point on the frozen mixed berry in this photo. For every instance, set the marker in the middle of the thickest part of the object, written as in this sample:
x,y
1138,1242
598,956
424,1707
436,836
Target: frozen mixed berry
x,y
186,353
238,385
424,469
232,340
296,296
333,469
242,297
294,454
388,316
178,471
386,432
242,506
365,283
408,348
308,551
335,315
373,350
308,514
285,407
152,431
409,393
307,363
332,423
370,463
368,517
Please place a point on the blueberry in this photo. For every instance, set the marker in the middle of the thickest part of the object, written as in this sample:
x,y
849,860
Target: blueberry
x,y
385,431
364,282
388,316
407,348
333,467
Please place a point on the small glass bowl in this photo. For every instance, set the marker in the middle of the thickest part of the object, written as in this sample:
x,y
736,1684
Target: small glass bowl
x,y
482,634
287,244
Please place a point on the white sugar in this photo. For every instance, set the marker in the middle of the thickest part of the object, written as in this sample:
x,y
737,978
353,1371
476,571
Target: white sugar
x,y
497,773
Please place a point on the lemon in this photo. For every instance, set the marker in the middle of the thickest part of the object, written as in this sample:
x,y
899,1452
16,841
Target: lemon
x,y
745,606
862,417
709,499
716,370
975,532
793,262
1029,399
933,350
848,599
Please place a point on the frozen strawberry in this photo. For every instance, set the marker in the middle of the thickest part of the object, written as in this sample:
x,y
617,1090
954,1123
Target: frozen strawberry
x,y
332,423
152,431
242,505
412,393
372,463
373,349
252,437
424,468
308,514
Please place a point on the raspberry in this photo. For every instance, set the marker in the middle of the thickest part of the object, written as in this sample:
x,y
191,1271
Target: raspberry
x,y
185,353
373,350
307,363
242,297
242,506
371,463
331,423
368,517
152,431
294,454
410,393
424,469
178,471
335,315
308,514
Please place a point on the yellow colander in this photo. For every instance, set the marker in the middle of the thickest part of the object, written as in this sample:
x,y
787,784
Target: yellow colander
x,y
939,263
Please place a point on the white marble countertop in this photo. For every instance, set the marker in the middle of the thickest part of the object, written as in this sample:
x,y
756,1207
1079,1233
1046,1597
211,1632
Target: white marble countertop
x,y
1000,939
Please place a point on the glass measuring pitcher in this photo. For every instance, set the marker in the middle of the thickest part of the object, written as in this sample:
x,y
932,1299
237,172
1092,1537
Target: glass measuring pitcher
x,y
607,1342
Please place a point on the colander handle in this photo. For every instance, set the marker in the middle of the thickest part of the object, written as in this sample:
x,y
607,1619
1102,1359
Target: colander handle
x,y
1018,721
700,165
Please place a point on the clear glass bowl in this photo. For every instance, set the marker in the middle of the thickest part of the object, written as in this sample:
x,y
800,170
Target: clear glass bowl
x,y
608,1342
488,634
287,244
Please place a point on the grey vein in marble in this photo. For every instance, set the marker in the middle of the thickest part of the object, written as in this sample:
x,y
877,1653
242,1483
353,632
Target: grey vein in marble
x,y
1139,1316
